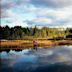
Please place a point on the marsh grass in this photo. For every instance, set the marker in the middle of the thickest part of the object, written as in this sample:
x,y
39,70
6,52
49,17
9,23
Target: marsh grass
x,y
23,44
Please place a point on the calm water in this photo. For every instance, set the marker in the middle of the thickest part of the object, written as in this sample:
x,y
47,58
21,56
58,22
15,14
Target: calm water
x,y
54,59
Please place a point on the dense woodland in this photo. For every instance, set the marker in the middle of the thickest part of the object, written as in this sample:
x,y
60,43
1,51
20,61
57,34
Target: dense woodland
x,y
19,32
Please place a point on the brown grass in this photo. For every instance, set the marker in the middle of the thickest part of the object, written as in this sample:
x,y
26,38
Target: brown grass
x,y
22,44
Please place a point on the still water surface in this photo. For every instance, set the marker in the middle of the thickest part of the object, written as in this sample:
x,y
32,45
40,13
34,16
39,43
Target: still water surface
x,y
54,59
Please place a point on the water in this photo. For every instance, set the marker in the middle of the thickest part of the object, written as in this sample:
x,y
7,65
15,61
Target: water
x,y
53,59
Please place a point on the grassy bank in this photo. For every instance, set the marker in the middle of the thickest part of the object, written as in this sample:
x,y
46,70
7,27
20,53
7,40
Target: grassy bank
x,y
22,44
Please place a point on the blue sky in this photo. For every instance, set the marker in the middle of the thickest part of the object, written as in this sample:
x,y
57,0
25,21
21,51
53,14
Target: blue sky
x,y
26,13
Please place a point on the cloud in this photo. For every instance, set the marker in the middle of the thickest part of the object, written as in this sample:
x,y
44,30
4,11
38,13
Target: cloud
x,y
52,3
9,4
49,23
40,22
37,12
6,4
7,13
54,13
52,17
11,22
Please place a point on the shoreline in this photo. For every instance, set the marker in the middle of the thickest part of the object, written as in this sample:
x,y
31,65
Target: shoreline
x,y
25,44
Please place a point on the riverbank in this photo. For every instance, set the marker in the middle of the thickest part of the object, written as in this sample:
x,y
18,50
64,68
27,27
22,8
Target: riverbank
x,y
23,44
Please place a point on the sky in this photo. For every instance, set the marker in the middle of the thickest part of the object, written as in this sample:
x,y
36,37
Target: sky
x,y
41,13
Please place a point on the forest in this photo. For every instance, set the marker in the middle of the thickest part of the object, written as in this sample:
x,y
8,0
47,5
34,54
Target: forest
x,y
18,32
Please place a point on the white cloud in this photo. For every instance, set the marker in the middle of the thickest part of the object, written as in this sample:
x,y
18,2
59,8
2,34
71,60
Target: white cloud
x,y
43,20
7,13
68,25
52,17
61,13
47,12
7,5
14,22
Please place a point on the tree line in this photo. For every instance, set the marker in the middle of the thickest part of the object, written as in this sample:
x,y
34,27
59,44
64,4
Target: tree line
x,y
19,32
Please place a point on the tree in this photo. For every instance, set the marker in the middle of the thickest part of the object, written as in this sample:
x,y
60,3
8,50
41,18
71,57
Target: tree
x,y
6,32
19,32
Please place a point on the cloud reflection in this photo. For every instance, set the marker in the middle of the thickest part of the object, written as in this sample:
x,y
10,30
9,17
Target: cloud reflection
x,y
30,59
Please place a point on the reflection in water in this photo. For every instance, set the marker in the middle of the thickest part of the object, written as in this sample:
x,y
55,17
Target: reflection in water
x,y
55,59
7,50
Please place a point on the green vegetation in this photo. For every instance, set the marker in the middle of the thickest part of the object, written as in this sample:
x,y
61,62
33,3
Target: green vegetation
x,y
19,32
